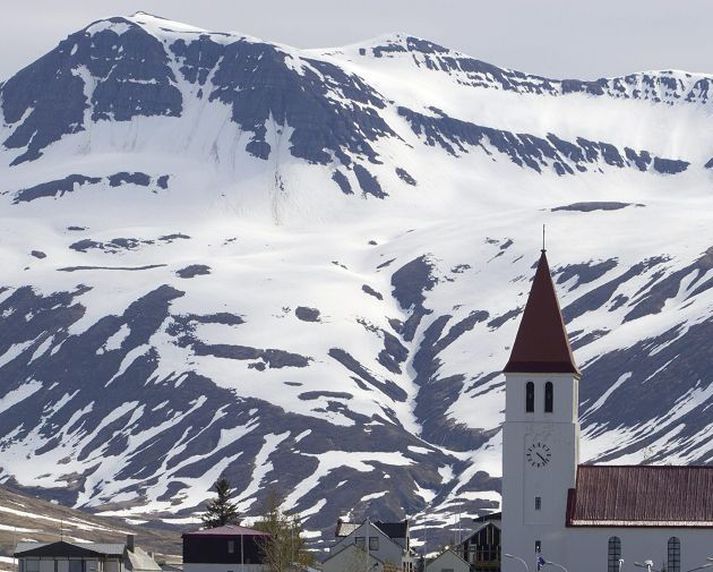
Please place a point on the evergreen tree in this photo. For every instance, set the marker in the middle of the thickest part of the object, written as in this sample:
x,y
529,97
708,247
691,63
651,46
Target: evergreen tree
x,y
220,511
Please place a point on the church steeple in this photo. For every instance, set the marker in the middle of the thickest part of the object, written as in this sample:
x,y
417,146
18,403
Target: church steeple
x,y
541,344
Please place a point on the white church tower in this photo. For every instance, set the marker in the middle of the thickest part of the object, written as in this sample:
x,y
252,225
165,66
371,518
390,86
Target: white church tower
x,y
541,430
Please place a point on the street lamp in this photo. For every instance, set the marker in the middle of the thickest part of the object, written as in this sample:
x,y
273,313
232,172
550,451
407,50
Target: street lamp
x,y
527,569
648,564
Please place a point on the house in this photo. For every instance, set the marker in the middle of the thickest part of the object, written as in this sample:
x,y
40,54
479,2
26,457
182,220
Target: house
x,y
448,561
585,518
228,548
481,549
382,546
66,556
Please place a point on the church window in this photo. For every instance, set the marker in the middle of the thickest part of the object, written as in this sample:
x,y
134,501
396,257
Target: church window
x,y
614,554
538,546
538,503
674,555
529,397
549,397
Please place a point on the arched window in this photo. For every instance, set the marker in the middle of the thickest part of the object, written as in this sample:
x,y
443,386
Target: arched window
x,y
529,397
549,397
613,554
674,555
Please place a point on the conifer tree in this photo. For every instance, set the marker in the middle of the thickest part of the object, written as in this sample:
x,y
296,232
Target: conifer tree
x,y
220,511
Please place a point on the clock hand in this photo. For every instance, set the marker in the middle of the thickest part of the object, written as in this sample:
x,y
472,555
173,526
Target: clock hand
x,y
541,457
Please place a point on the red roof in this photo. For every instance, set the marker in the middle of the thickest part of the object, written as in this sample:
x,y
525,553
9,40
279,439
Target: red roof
x,y
541,344
227,530
642,496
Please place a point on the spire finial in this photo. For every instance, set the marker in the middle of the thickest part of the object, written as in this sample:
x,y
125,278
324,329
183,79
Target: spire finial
x,y
544,249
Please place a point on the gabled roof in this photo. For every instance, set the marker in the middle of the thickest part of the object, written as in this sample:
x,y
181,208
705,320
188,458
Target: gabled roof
x,y
480,527
642,496
541,344
67,549
393,529
227,530
390,529
449,552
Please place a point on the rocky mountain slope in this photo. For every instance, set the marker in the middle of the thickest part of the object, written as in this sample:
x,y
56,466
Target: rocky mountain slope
x,y
304,268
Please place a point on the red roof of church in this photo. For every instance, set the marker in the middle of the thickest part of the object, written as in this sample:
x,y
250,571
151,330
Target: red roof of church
x,y
541,344
642,496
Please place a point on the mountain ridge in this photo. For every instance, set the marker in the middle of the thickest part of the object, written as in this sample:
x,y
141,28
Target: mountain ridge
x,y
304,270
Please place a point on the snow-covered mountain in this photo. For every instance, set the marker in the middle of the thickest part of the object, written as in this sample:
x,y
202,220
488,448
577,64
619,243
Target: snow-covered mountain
x,y
304,268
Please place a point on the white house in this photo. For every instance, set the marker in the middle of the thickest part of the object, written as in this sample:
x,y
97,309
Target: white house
x,y
584,517
448,561
386,546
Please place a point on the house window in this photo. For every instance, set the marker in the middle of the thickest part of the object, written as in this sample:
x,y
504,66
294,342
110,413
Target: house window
x,y
76,566
529,397
674,555
538,503
32,565
549,397
373,543
359,541
614,554
538,546
231,546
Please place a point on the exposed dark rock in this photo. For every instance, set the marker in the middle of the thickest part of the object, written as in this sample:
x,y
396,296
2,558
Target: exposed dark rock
x,y
498,321
585,272
368,182
405,177
193,270
388,387
322,126
369,290
310,395
590,206
393,354
653,301
55,188
523,149
38,254
130,268
131,76
341,180
173,237
307,314
595,299
140,179
273,358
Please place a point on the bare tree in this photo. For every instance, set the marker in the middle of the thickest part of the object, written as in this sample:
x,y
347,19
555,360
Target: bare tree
x,y
284,548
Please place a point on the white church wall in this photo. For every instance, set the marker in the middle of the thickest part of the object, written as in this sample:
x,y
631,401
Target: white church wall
x,y
587,548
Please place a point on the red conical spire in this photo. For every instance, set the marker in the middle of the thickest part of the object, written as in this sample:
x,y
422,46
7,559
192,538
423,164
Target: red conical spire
x,y
541,344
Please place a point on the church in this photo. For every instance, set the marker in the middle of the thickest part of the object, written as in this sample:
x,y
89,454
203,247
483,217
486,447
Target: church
x,y
584,518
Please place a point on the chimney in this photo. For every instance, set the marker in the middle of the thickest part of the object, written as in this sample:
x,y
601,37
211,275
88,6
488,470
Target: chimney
x,y
130,542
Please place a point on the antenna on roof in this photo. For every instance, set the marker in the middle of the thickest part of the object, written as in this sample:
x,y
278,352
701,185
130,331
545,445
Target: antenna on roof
x,y
543,239
61,530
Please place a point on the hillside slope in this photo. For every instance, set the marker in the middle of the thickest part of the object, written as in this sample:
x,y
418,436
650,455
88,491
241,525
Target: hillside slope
x,y
304,269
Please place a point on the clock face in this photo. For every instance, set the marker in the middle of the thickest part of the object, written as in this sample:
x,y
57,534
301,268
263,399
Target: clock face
x,y
538,454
